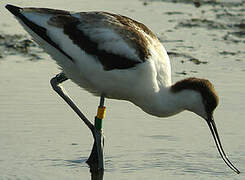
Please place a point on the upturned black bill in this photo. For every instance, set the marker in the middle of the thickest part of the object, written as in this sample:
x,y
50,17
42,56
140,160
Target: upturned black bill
x,y
215,134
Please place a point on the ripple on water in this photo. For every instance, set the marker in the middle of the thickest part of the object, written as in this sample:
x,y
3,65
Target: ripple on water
x,y
163,137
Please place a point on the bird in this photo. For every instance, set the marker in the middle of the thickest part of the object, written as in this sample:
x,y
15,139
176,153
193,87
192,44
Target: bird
x,y
116,57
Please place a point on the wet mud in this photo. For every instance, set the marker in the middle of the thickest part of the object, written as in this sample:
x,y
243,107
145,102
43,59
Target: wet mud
x,y
220,24
18,44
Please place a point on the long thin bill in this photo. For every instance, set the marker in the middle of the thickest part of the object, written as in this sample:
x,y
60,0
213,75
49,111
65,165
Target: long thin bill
x,y
215,134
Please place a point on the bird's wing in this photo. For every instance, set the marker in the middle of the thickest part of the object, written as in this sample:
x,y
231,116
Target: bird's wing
x,y
117,44
116,41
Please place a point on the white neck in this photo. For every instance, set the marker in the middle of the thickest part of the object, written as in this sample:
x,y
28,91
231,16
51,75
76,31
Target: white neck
x,y
165,103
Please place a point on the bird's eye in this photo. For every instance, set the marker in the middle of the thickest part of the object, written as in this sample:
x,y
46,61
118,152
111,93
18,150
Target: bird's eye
x,y
205,102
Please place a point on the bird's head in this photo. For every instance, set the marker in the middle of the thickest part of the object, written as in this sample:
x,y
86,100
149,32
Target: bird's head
x,y
199,95
202,99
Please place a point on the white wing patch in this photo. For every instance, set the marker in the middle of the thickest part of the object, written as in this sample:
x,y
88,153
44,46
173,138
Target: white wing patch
x,y
110,41
107,39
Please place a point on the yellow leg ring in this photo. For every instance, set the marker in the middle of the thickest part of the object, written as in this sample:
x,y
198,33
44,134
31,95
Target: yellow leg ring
x,y
101,112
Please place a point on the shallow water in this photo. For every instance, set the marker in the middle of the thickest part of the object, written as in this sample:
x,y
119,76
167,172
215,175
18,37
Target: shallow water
x,y
41,138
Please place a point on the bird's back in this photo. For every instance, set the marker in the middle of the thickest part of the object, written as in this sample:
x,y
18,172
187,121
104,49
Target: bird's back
x,y
101,52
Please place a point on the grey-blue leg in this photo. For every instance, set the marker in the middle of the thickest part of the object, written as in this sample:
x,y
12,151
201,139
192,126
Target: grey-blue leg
x,y
96,158
55,82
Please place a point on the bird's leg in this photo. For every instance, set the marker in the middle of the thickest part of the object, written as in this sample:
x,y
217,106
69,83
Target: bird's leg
x,y
96,158
97,153
55,82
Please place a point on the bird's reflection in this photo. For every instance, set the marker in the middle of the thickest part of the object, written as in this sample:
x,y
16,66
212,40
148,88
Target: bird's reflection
x,y
96,174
